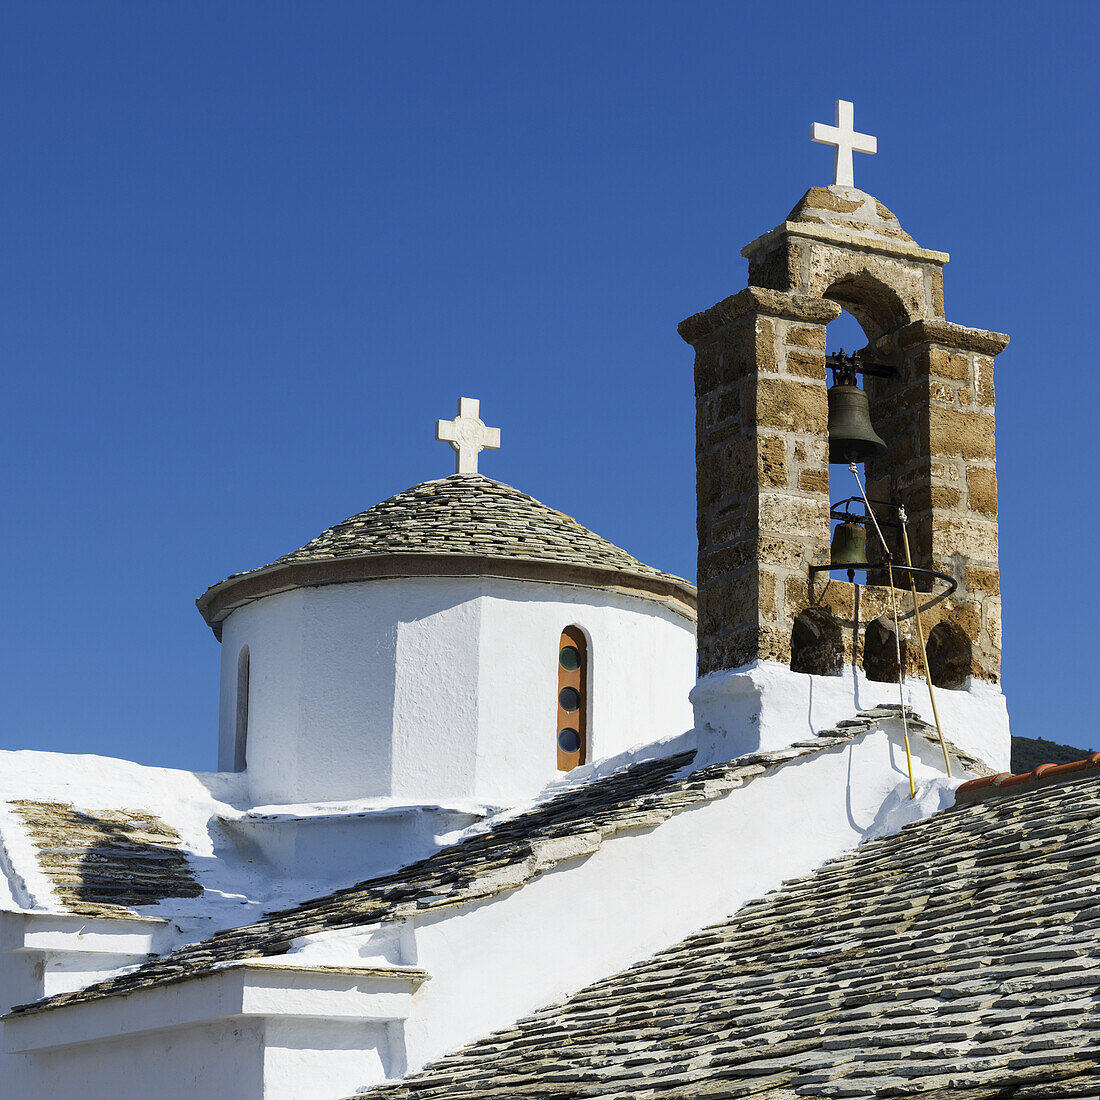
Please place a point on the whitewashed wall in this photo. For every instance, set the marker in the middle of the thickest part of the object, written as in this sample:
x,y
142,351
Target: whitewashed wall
x,y
323,1034
441,689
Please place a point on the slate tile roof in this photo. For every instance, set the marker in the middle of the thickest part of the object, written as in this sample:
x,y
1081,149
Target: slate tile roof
x,y
959,958
469,515
512,851
101,861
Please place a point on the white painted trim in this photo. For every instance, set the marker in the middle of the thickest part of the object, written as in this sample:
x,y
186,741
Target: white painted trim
x,y
247,989
764,705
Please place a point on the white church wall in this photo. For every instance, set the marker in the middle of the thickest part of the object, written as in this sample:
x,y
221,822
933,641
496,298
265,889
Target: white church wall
x,y
331,1022
765,706
639,893
324,1059
335,849
437,696
255,1031
442,689
641,668
213,1060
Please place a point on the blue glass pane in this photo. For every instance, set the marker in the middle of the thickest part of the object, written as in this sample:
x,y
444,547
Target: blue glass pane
x,y
569,699
569,740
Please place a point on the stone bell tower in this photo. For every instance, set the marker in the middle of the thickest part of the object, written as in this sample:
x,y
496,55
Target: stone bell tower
x,y
764,486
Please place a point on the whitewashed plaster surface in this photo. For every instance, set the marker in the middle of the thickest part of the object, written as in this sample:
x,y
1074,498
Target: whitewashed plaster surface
x,y
764,705
441,689
490,962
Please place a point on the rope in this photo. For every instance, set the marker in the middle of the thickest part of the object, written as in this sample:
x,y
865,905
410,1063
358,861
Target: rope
x,y
904,519
897,630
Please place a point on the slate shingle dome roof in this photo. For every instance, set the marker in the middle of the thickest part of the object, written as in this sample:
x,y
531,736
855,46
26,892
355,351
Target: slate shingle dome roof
x,y
463,525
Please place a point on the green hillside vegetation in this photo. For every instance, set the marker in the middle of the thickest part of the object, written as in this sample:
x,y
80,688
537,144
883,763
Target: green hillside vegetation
x,y
1030,752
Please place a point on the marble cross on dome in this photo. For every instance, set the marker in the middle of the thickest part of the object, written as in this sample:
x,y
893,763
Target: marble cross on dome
x,y
843,135
467,434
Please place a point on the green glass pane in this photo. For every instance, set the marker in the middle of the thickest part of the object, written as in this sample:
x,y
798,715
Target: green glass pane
x,y
570,658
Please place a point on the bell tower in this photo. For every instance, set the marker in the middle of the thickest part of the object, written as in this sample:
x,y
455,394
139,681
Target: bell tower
x,y
783,640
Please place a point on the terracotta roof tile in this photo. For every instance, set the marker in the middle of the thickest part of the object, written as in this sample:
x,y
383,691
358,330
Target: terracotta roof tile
x,y
976,790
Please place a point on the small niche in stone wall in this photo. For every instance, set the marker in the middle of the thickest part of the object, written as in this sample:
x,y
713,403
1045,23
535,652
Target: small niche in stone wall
x,y
949,655
880,651
817,646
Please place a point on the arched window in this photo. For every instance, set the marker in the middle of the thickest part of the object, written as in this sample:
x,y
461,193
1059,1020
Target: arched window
x,y
572,724
880,651
817,646
240,743
949,653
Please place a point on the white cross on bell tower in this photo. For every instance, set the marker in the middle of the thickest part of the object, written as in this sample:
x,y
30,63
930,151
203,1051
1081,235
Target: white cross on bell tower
x,y
467,434
843,135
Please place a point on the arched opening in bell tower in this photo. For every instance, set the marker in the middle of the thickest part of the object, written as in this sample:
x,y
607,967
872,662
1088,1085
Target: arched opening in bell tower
x,y
872,309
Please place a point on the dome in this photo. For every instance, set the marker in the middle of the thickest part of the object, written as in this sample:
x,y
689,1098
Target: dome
x,y
462,525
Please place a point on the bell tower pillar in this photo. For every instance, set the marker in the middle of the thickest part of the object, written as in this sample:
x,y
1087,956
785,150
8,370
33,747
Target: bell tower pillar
x,y
778,643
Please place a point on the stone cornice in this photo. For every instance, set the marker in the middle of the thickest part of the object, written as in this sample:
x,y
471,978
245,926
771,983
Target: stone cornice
x,y
946,334
753,299
218,602
828,235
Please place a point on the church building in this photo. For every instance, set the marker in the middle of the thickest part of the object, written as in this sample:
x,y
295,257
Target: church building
x,y
503,811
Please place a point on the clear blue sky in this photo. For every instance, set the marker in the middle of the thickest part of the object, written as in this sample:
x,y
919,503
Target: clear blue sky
x,y
251,251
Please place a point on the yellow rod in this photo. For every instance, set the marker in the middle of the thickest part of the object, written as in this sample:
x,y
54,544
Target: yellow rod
x,y
901,673
923,650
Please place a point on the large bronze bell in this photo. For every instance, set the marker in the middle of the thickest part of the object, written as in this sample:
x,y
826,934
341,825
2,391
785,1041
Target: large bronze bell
x,y
851,436
849,546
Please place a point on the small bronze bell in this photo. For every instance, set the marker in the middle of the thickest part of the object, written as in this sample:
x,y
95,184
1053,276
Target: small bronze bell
x,y
849,546
851,436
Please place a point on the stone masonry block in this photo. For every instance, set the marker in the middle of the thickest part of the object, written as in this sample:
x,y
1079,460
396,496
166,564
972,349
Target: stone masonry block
x,y
765,346
982,487
728,404
723,561
973,538
813,481
937,293
773,460
927,496
945,364
959,431
739,465
791,405
980,579
794,516
706,368
807,336
739,601
780,552
806,364
766,595
774,645
708,482
983,380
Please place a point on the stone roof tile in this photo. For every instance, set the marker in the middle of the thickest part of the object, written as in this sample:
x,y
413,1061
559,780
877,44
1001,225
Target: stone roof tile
x,y
464,516
510,851
101,861
958,958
